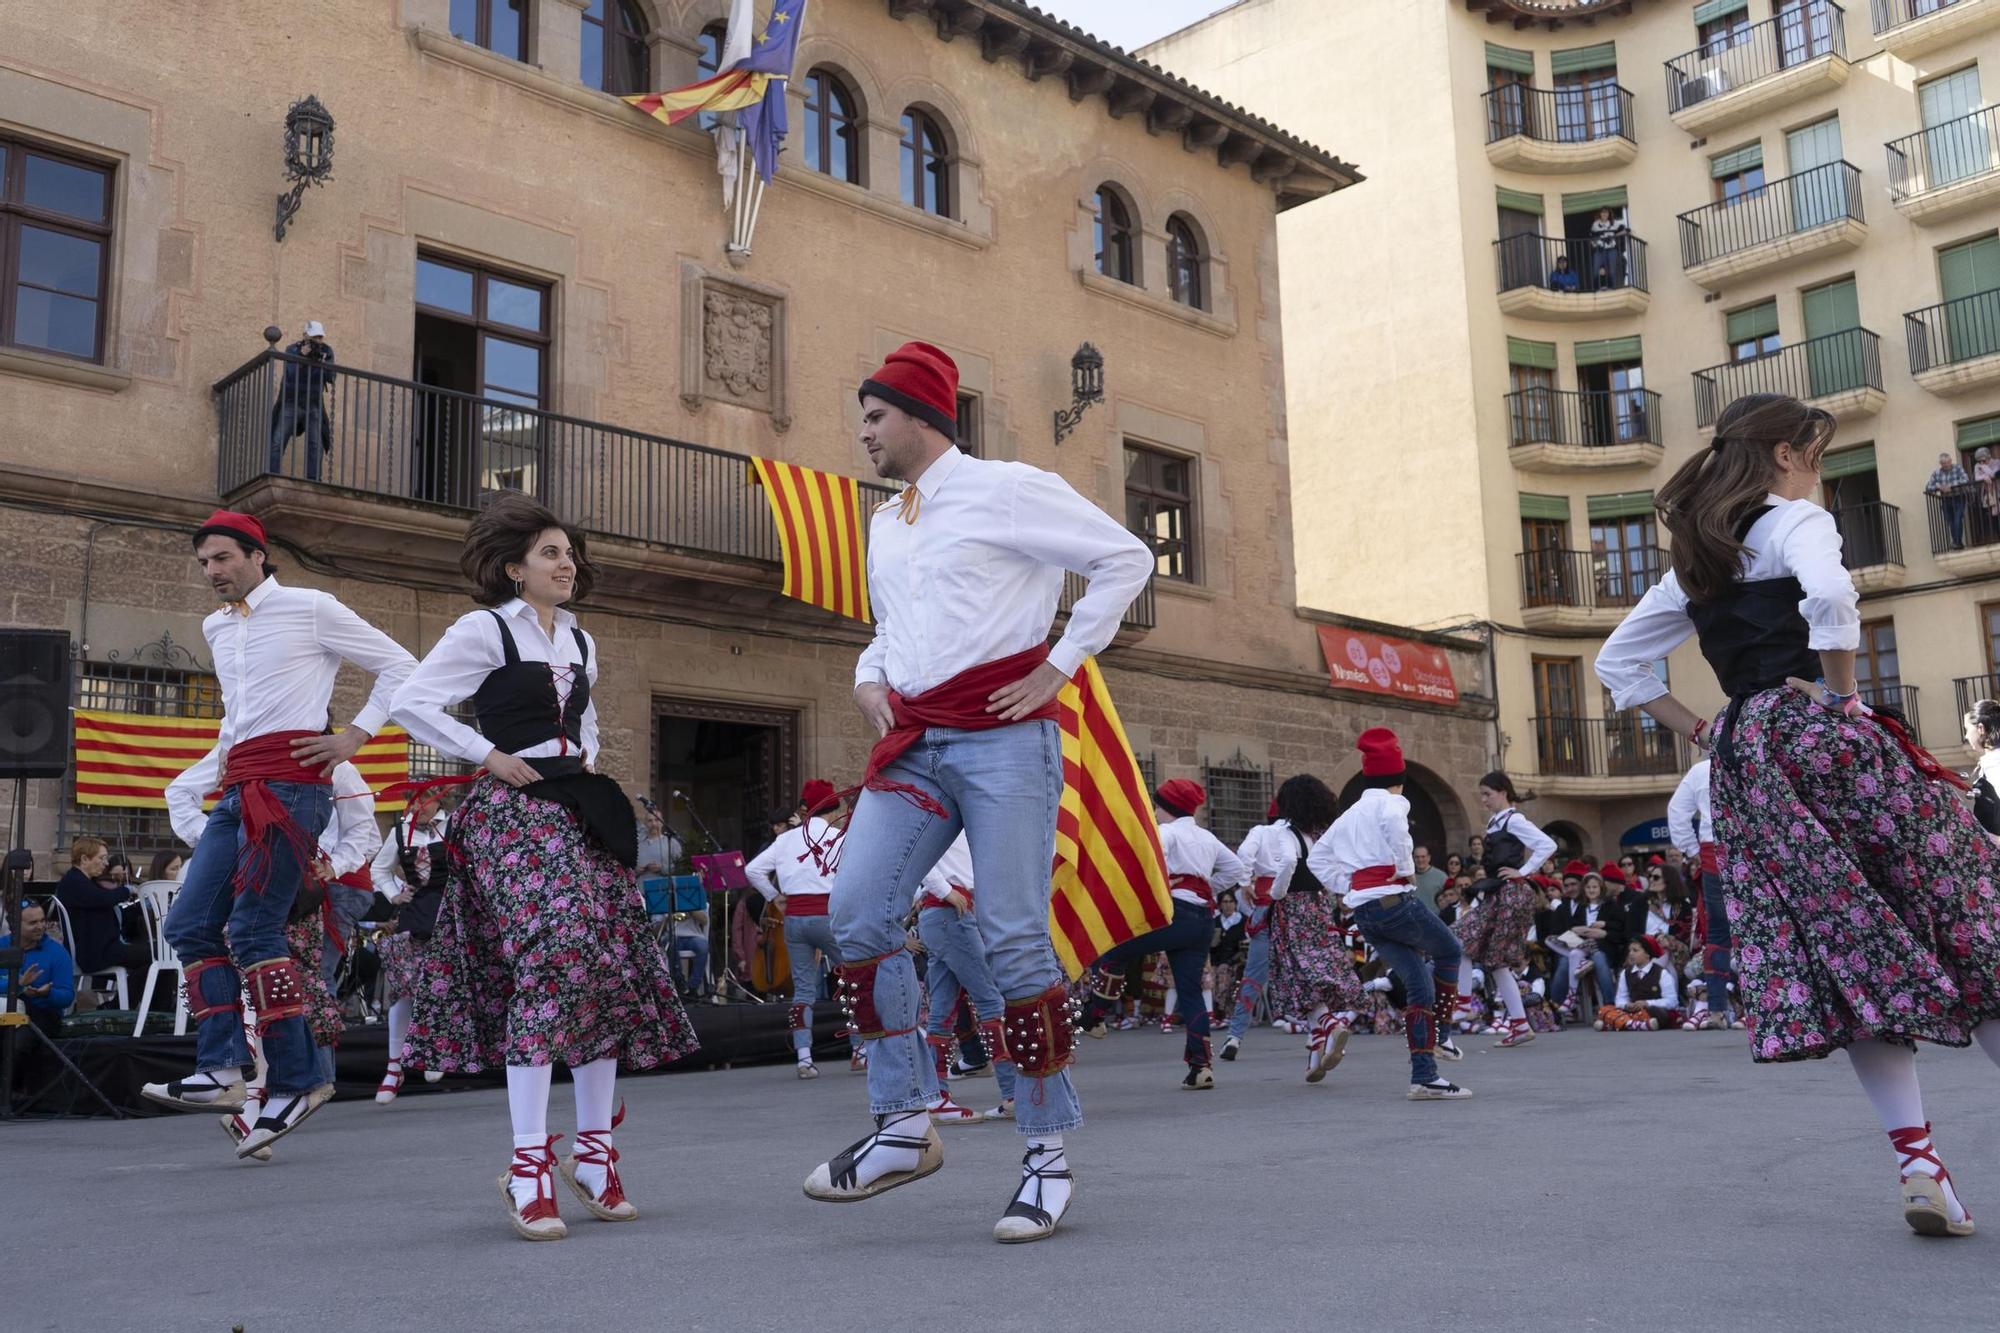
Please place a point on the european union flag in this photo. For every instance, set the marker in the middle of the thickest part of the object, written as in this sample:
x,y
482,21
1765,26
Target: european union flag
x,y
765,124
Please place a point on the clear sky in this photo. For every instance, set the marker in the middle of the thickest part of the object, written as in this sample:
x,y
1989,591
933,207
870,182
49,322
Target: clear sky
x,y
1130,23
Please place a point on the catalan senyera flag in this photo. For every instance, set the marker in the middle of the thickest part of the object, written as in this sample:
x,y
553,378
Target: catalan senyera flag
x,y
127,759
743,82
820,532
1110,875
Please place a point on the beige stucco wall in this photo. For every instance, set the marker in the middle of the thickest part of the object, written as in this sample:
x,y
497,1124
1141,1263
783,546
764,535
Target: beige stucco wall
x,y
1416,415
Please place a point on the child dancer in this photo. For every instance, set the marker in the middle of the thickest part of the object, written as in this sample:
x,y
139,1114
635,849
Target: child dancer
x,y
1494,935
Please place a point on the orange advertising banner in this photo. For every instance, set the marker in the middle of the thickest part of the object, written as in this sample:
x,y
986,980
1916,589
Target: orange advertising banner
x,y
1358,660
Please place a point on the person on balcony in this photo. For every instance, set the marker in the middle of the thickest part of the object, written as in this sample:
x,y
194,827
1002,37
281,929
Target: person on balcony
x,y
1608,236
1563,278
1986,476
301,405
1950,487
1851,873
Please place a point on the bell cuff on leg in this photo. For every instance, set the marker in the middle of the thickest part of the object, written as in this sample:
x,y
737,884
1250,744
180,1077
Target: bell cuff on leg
x,y
797,1017
857,997
200,1008
993,1036
1420,1030
277,991
1040,1033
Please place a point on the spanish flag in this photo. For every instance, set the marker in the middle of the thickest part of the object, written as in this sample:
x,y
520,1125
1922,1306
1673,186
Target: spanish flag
x,y
819,530
1110,874
127,759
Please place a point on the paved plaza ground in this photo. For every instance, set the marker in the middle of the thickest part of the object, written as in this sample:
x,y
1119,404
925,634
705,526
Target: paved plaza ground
x,y
1656,1182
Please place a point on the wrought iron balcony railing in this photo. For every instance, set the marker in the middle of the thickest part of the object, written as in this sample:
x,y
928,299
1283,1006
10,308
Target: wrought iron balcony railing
x,y
1961,149
1889,14
1589,580
1953,331
1805,32
1784,207
1532,261
1969,690
1871,533
1963,517
1630,745
1816,368
1592,417
1580,114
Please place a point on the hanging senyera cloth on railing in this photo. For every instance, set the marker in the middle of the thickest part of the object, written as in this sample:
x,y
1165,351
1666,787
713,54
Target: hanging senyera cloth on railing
x,y
127,759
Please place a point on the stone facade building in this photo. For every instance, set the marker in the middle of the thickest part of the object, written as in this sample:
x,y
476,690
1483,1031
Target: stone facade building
x,y
527,285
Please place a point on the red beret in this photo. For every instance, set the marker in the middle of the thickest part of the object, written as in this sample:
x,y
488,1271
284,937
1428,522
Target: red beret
x,y
1381,753
1650,945
816,796
230,523
1271,812
921,380
1576,868
1612,874
1183,796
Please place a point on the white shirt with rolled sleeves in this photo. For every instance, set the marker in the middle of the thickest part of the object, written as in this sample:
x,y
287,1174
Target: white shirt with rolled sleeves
x,y
1375,831
387,870
1540,846
1276,855
1192,850
349,839
788,865
976,578
1795,538
276,660
953,870
1689,818
469,652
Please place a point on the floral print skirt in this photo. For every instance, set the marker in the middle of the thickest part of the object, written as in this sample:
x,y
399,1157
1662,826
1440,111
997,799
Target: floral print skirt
x,y
306,941
1310,964
1863,899
541,952
402,958
1495,933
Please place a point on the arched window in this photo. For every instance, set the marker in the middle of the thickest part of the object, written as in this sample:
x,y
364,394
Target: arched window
x,y
832,132
708,62
1186,264
926,164
1117,247
615,59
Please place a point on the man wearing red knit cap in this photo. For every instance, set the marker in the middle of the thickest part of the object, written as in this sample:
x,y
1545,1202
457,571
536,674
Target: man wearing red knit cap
x,y
796,873
964,571
1368,856
276,652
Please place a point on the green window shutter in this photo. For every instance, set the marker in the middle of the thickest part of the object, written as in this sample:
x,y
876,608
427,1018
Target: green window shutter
x,y
1973,434
1735,160
1519,201
1966,270
1503,57
1554,507
1626,504
1848,463
1710,10
1607,349
1592,200
1521,352
1832,308
1759,321
1602,56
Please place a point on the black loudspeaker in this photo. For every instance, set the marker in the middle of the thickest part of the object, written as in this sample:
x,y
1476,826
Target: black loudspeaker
x,y
34,703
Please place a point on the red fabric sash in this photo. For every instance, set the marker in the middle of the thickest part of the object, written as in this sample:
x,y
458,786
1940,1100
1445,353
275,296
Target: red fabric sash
x,y
1711,859
806,904
1260,890
356,878
1375,877
1196,885
251,767
959,703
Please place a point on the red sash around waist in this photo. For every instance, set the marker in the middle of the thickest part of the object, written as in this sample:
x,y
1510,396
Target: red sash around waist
x,y
1196,885
329,917
250,767
1260,890
806,904
959,703
1375,877
1711,859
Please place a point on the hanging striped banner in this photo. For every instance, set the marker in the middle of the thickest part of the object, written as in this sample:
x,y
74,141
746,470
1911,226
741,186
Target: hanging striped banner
x,y
1110,874
127,759
819,530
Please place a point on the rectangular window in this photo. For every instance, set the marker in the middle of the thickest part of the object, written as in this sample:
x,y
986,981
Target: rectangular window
x,y
1753,332
55,250
1989,623
1724,31
971,437
1851,490
1239,793
1805,30
1624,547
501,26
482,333
1559,738
135,687
1877,670
1159,506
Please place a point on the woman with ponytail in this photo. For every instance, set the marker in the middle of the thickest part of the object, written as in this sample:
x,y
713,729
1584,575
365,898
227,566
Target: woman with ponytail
x,y
1863,899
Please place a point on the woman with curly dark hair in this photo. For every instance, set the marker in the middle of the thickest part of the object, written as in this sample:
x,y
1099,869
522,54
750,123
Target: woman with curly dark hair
x,y
1863,901
540,952
1312,971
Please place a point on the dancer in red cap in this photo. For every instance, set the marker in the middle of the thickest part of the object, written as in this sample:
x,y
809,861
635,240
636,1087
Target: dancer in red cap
x,y
1368,857
796,873
276,652
1198,867
964,572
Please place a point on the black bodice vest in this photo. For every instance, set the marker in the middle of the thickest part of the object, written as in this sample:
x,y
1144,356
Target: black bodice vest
x,y
1502,850
517,704
406,858
1753,635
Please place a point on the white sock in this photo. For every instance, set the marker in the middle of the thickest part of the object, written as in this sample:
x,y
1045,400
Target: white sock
x,y
528,1107
1987,1034
1046,1151
399,1027
1509,991
595,1087
1888,1074
879,1162
1208,1000
1173,999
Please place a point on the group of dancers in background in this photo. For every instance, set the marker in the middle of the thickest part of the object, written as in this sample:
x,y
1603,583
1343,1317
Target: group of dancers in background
x,y
1847,883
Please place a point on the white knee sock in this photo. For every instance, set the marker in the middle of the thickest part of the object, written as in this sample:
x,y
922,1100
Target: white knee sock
x,y
399,1027
1173,1003
528,1106
1987,1034
595,1086
1509,990
1888,1074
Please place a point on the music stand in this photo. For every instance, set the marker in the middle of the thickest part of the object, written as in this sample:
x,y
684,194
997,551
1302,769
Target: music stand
x,y
722,873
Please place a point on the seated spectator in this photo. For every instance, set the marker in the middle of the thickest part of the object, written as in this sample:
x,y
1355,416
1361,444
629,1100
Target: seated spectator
x,y
1454,866
166,865
1647,997
1448,897
93,912
691,937
1563,278
48,980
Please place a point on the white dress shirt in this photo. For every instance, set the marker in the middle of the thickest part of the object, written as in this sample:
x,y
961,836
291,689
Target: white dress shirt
x,y
1670,992
1539,844
1375,831
349,838
790,866
1276,854
953,869
387,870
1795,538
1193,850
1689,819
276,657
977,576
469,652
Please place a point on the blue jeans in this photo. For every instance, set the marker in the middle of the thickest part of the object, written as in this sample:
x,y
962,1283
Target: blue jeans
x,y
958,963
291,416
1414,943
803,934
1002,787
255,920
1716,964
1256,974
349,906
696,972
1185,942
